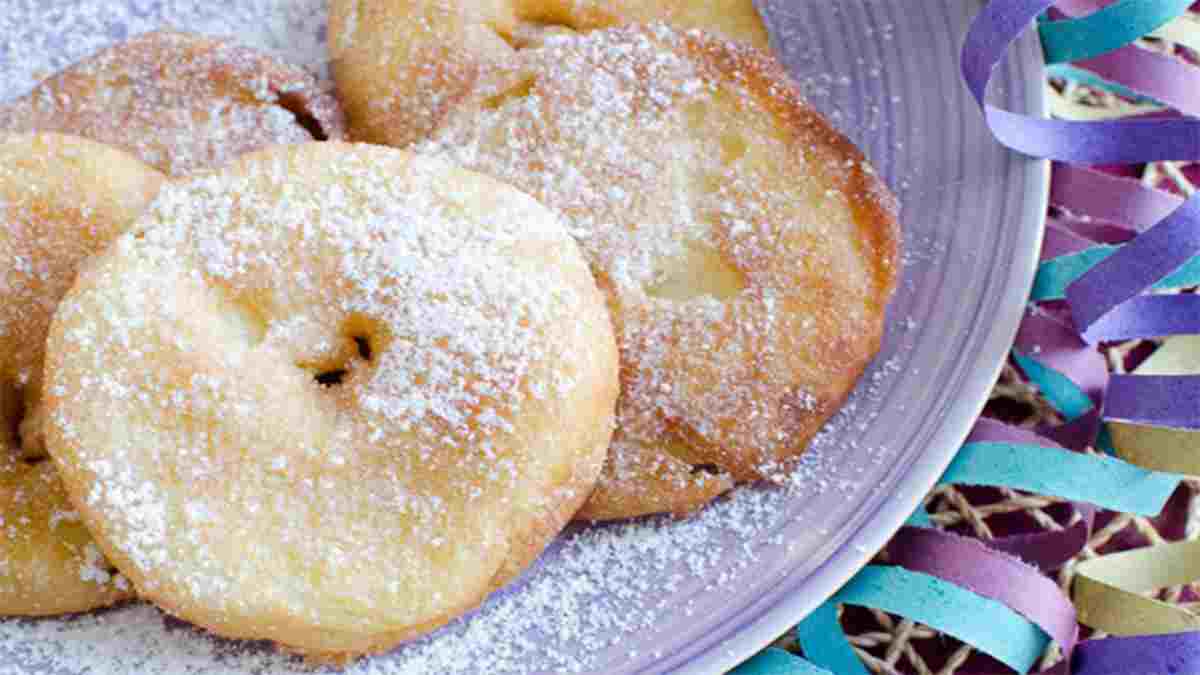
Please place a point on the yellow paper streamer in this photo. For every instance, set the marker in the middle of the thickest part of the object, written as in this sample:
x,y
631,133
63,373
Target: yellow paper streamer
x,y
1161,448
1108,591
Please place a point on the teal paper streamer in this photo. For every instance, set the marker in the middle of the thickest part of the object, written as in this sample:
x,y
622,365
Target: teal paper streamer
x,y
919,518
1066,71
981,622
1058,389
1106,30
823,642
1056,274
1104,481
775,661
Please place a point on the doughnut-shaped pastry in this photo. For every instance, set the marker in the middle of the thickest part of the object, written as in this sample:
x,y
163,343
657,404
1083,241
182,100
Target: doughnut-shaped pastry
x,y
332,396
62,200
180,102
402,65
747,249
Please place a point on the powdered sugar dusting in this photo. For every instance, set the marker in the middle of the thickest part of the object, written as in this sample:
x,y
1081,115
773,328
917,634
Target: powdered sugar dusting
x,y
747,290
180,102
596,587
598,591
61,201
420,300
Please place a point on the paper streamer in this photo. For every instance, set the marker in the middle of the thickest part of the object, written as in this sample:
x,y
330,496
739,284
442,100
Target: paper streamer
x,y
1096,479
1103,297
986,624
822,640
1116,142
1183,31
1056,274
1163,448
1108,29
1071,375
958,585
1064,71
1054,344
933,562
1134,268
1060,391
1047,550
1158,448
1156,400
1065,106
1104,293
1112,198
1149,316
1060,240
1108,590
1163,78
942,577
1152,655
1090,229
971,565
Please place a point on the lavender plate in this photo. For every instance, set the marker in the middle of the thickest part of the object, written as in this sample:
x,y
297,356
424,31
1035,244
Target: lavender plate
x,y
699,595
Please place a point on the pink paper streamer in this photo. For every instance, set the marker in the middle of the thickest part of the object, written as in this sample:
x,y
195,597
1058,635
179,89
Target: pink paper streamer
x,y
1110,198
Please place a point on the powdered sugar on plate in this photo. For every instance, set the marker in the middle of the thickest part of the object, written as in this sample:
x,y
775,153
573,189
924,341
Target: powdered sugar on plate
x,y
602,599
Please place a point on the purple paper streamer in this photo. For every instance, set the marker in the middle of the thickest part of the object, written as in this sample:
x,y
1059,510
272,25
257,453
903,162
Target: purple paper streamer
x,y
1154,400
1162,77
997,26
970,564
1177,654
1108,142
990,431
1134,268
1059,241
1149,316
1096,230
1056,345
1049,550
1079,434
